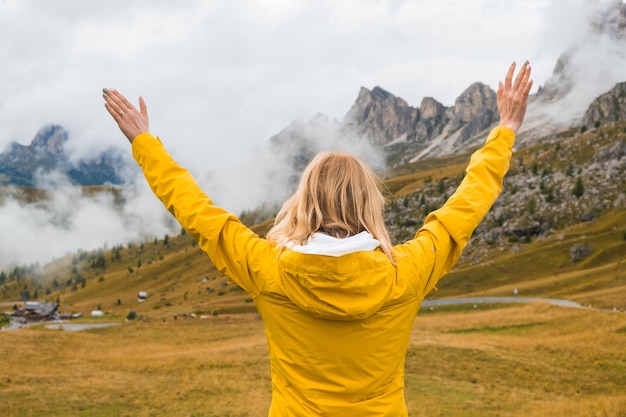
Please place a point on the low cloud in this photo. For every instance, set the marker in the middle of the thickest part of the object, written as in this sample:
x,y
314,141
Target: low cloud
x,y
69,220
592,61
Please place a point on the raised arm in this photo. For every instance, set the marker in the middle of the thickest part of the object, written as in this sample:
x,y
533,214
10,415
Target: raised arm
x,y
233,248
447,230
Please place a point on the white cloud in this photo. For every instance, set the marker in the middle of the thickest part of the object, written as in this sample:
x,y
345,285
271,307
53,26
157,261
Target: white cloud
x,y
233,72
70,220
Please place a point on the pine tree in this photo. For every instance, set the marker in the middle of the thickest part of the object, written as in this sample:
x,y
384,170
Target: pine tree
x,y
579,188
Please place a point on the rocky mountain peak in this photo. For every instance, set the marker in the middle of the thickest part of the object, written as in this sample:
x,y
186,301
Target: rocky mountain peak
x,y
607,108
405,134
474,111
369,100
379,93
379,116
478,101
431,108
50,139
383,119
605,43
23,165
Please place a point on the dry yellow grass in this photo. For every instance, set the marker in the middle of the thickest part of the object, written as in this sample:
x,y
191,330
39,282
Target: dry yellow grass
x,y
509,361
160,368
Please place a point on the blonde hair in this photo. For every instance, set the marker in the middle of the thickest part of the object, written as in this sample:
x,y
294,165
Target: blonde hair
x,y
339,195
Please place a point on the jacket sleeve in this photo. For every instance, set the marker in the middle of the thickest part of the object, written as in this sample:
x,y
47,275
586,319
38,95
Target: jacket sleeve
x,y
446,231
233,248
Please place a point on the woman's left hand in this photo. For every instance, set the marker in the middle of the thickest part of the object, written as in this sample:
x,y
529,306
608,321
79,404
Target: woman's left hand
x,y
131,121
512,97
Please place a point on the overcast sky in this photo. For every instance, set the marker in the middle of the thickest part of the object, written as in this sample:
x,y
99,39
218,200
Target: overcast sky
x,y
221,77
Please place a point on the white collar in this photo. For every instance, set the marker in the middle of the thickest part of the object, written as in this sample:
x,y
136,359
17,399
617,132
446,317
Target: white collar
x,y
323,244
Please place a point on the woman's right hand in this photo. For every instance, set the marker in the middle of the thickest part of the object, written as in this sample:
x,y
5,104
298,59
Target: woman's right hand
x,y
512,97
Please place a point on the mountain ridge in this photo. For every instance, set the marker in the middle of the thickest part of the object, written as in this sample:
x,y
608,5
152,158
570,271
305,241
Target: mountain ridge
x,y
387,124
28,165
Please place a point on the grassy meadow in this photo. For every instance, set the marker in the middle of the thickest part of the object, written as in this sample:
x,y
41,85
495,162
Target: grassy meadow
x,y
197,347
492,360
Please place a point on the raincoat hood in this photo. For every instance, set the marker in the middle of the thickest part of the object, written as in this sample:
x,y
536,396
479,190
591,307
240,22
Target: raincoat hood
x,y
337,279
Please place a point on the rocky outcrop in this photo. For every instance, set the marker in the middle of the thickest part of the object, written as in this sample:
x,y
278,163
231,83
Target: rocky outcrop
x,y
579,252
607,153
406,134
385,120
380,116
607,108
473,112
302,139
539,195
586,69
578,64
433,118
50,139
561,82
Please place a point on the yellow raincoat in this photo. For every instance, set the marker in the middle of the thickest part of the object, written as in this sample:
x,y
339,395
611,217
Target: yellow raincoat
x,y
337,327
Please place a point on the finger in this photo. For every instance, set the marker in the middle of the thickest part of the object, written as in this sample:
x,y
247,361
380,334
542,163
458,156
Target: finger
x,y
114,113
500,92
125,102
111,105
523,88
118,99
143,109
526,76
509,76
113,100
528,87
520,76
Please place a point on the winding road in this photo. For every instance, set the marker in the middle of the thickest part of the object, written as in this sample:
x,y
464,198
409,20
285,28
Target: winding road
x,y
494,300
425,303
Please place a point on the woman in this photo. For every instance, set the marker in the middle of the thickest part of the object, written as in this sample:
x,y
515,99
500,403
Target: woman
x,y
337,299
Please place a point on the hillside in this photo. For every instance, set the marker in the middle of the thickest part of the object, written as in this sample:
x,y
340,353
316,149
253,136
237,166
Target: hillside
x,y
544,236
